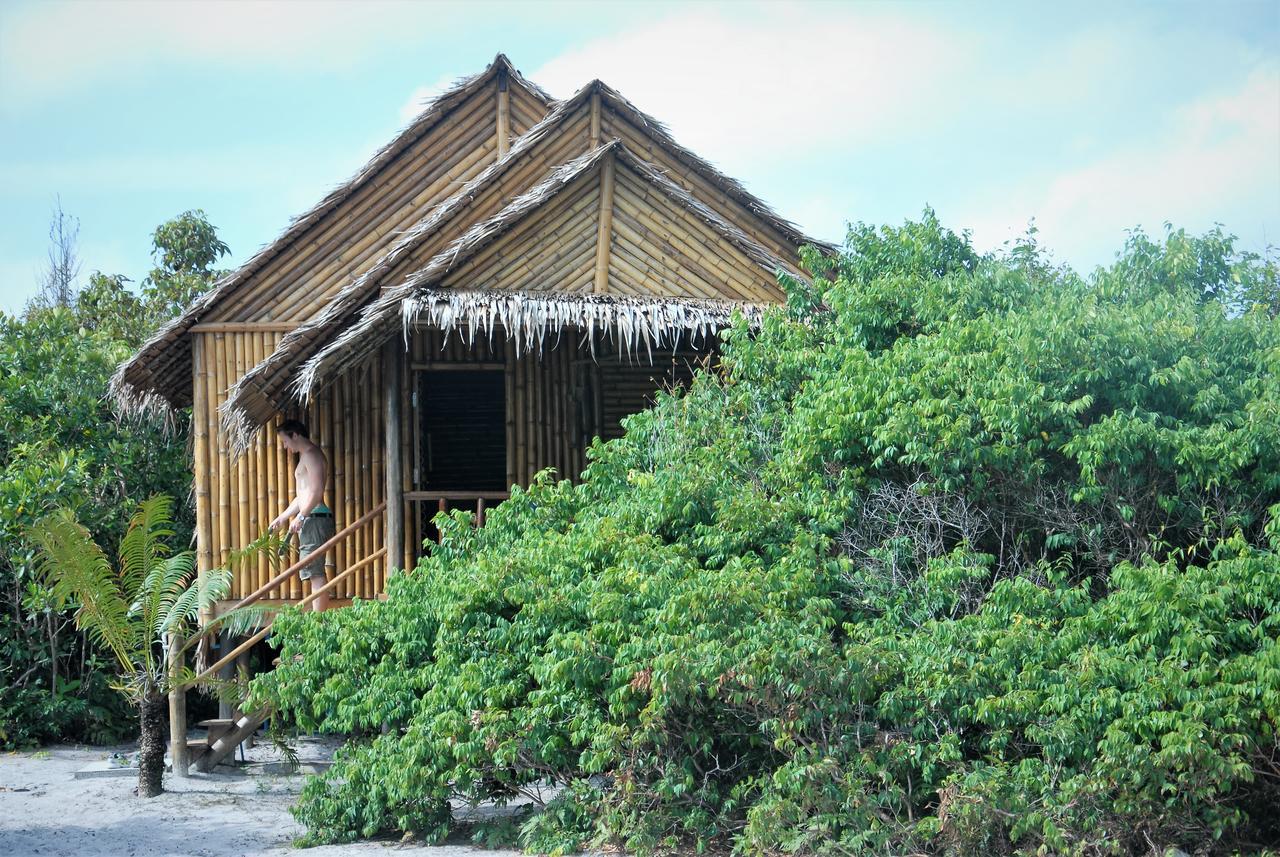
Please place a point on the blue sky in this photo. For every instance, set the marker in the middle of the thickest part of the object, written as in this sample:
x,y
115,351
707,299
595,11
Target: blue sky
x,y
1090,118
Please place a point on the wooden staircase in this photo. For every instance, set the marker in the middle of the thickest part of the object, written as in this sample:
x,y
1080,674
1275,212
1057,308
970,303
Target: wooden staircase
x,y
225,735
223,738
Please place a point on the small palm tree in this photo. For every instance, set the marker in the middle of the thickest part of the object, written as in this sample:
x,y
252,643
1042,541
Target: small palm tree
x,y
132,610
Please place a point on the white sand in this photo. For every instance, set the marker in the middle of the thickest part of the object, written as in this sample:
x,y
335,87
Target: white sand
x,y
45,811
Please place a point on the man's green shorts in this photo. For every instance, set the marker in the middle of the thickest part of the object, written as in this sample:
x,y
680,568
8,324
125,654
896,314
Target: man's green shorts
x,y
316,530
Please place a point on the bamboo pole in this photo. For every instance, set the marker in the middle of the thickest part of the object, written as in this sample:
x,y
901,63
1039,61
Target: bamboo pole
x,y
249,499
224,469
593,138
504,117
509,405
392,361
178,755
605,228
200,460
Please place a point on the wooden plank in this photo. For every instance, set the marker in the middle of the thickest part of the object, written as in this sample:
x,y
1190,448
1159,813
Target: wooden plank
x,y
243,327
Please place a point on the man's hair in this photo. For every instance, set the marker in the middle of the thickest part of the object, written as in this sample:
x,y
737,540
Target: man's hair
x,y
297,427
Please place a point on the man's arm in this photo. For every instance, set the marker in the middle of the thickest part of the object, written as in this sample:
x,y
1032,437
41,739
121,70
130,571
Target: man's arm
x,y
283,517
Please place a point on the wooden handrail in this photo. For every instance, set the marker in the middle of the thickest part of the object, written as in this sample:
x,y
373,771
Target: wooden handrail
x,y
422,496
257,594
266,629
311,557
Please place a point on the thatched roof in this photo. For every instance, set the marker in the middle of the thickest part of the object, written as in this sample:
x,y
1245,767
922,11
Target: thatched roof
x,y
158,377
636,321
264,387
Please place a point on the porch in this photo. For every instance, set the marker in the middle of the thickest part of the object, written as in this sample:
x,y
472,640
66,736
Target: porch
x,y
468,418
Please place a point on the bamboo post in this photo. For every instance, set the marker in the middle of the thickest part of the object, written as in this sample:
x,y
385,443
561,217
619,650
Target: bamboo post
x,y
504,115
242,675
593,135
392,361
178,754
200,465
605,225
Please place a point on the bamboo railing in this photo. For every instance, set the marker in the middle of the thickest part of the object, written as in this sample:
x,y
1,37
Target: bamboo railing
x,y
443,498
261,591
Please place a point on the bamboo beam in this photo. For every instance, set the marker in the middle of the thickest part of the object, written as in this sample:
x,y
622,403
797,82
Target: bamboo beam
x,y
478,366
605,226
243,327
393,360
504,116
593,134
428,496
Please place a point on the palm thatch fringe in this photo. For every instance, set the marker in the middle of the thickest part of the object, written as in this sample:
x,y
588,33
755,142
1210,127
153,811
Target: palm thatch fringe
x,y
530,319
158,377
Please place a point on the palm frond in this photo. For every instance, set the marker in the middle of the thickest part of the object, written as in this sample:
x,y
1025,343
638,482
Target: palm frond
x,y
242,620
143,544
76,569
179,597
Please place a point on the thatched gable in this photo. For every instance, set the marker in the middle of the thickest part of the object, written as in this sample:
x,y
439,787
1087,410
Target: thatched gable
x,y
563,134
644,307
158,377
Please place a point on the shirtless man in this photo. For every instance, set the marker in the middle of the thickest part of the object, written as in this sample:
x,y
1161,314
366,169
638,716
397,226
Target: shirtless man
x,y
312,520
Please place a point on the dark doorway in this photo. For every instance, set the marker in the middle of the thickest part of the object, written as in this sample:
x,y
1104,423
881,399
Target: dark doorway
x,y
463,446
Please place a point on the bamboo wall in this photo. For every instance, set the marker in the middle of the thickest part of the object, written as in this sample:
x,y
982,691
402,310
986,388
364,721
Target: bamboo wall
x,y
236,498
556,402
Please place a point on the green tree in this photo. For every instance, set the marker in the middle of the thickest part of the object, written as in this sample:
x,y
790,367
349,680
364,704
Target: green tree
x,y
61,445
131,610
186,250
959,553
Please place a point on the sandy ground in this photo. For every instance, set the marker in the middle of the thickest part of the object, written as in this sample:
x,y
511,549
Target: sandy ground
x,y
45,811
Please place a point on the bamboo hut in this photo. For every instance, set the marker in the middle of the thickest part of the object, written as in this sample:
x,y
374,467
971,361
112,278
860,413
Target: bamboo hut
x,y
502,283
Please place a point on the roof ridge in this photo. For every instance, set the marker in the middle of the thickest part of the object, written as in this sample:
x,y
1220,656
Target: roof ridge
x,y
130,389
382,311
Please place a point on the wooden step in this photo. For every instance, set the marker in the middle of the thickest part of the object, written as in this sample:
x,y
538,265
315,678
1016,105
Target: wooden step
x,y
217,727
226,744
196,747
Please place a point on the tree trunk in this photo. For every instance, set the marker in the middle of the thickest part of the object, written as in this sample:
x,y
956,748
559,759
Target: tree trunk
x,y
151,746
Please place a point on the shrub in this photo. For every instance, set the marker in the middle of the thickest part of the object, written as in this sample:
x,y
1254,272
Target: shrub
x,y
958,553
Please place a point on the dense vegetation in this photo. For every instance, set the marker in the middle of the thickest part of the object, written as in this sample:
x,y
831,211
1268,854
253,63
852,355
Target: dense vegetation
x,y
62,447
959,554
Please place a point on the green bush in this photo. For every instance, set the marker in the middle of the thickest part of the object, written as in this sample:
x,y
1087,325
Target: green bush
x,y
959,554
61,446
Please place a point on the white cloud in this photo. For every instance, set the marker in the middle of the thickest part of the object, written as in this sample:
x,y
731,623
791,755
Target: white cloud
x,y
419,98
246,167
1218,160
735,83
52,47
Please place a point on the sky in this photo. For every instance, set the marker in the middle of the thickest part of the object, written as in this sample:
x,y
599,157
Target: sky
x,y
1089,119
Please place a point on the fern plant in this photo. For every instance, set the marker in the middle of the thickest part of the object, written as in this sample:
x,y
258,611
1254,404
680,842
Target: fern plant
x,y
134,610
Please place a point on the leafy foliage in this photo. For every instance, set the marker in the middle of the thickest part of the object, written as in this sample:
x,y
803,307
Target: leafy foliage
x,y
62,447
960,554
138,610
